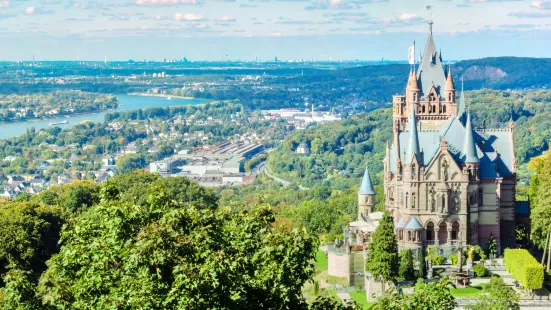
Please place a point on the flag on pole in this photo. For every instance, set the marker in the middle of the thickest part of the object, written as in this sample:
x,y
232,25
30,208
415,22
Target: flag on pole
x,y
411,55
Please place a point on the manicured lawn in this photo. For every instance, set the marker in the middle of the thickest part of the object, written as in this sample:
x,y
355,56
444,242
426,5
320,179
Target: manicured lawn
x,y
359,297
321,261
471,291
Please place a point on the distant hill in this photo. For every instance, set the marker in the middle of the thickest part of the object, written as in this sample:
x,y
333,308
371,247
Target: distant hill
x,y
380,82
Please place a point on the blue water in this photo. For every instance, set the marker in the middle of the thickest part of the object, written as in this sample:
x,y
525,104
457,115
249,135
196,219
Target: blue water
x,y
8,130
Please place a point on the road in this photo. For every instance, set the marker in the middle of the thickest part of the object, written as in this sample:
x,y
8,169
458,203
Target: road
x,y
264,169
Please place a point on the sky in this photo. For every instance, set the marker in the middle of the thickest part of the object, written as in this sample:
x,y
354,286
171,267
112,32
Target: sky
x,y
264,29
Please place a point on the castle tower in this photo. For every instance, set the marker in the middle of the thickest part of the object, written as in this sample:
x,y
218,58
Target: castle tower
x,y
366,197
413,151
412,89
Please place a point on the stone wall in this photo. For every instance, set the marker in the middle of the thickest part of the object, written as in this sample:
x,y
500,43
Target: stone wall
x,y
339,264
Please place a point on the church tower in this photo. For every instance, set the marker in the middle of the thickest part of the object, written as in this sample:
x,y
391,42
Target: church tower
x,y
366,197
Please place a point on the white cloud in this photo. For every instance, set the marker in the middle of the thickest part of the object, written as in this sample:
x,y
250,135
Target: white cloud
x,y
166,2
189,17
542,5
225,19
407,16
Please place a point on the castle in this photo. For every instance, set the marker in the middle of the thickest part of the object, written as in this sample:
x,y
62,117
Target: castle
x,y
446,183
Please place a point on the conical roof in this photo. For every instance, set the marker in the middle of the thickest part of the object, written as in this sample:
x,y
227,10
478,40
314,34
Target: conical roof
x,y
367,187
414,224
469,146
413,146
401,223
412,81
449,81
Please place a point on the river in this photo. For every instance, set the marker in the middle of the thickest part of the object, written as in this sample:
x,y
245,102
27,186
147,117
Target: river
x,y
127,102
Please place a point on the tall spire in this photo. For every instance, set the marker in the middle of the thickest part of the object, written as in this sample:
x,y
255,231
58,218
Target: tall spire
x,y
413,144
461,105
367,187
469,146
430,71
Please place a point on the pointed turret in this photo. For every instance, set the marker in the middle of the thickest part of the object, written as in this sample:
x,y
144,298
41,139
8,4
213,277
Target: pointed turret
x,y
449,91
367,187
412,81
449,81
366,197
469,146
412,89
413,144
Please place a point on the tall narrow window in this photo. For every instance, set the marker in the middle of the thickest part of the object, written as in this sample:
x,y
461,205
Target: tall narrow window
x,y
480,196
444,109
413,201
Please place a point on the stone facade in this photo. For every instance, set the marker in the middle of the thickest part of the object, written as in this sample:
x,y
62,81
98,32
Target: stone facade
x,y
446,183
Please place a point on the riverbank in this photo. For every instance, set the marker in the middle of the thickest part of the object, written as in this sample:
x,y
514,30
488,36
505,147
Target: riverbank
x,y
54,117
163,96
126,103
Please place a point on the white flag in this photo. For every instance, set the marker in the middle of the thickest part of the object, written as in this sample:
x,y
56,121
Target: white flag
x,y
411,55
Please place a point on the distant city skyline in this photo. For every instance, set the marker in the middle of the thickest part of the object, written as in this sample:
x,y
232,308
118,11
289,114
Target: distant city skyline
x,y
264,29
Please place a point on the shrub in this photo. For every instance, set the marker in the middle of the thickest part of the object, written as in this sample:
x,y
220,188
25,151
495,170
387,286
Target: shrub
x,y
453,258
480,271
524,268
438,259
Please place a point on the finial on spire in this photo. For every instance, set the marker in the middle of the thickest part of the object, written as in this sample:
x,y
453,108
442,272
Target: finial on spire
x,y
429,8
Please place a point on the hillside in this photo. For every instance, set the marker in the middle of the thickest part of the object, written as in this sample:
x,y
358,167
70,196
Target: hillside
x,y
341,150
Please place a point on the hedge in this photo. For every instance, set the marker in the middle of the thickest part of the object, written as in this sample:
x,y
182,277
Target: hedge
x,y
524,268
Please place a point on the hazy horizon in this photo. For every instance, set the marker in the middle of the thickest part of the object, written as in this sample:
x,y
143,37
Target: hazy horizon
x,y
289,29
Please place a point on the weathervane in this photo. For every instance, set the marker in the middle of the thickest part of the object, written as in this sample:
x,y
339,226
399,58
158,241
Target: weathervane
x,y
429,8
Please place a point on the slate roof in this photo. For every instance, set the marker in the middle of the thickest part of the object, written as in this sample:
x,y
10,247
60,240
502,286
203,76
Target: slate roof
x,y
367,187
401,223
495,140
414,224
431,70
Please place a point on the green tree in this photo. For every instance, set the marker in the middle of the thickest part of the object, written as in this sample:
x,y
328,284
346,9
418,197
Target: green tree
x,y
540,200
431,296
332,303
170,255
422,271
492,245
496,296
382,260
406,270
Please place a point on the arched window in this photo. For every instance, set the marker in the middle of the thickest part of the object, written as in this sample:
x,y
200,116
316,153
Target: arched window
x,y
434,109
444,109
413,201
450,97
423,109
407,200
440,109
409,235
415,97
413,171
